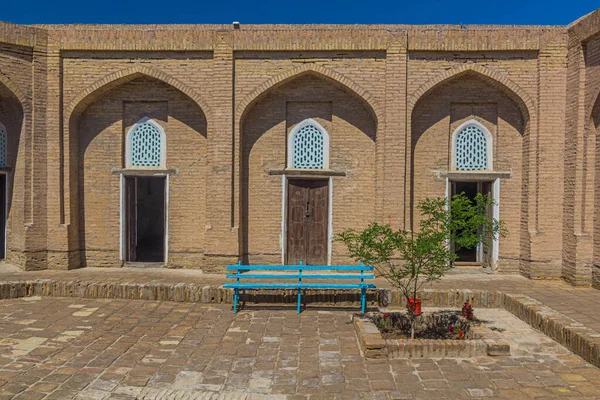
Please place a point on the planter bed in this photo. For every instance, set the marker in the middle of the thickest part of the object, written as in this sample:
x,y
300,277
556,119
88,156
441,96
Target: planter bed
x,y
433,339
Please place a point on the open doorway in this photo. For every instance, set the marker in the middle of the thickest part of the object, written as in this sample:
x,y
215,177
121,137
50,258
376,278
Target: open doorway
x,y
481,254
145,219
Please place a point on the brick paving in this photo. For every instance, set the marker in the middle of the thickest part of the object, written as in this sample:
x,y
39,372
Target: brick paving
x,y
581,304
63,348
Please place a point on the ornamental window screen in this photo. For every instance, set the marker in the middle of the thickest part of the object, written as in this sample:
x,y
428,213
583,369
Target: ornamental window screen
x,y
2,146
146,146
309,148
471,149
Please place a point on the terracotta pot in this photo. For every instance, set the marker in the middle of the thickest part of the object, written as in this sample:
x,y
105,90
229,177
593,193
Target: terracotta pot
x,y
415,306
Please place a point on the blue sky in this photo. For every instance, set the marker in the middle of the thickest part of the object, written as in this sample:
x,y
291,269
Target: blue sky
x,y
522,12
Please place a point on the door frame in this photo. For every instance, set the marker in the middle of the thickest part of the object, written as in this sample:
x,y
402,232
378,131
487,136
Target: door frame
x,y
495,214
284,202
123,219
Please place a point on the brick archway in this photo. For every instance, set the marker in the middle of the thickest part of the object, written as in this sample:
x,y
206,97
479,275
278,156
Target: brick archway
x,y
73,178
16,92
511,89
97,89
316,70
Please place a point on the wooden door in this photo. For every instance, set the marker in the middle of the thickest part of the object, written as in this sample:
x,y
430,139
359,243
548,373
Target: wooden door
x,y
130,219
307,221
487,244
3,216
318,222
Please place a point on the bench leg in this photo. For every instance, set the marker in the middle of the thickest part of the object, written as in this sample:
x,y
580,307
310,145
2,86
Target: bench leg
x,y
236,295
363,299
299,300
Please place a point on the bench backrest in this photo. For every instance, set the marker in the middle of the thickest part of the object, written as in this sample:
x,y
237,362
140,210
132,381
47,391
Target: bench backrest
x,y
245,271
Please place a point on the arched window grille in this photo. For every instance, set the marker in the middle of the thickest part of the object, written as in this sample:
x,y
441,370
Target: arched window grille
x,y
472,147
3,135
308,146
146,145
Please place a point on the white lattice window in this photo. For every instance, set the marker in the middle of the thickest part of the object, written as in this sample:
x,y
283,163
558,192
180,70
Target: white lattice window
x,y
3,135
472,147
145,146
308,146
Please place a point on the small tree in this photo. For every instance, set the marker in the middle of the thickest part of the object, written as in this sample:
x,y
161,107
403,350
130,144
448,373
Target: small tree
x,y
425,255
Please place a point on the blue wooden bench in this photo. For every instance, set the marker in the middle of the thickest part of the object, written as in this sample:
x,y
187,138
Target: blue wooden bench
x,y
297,274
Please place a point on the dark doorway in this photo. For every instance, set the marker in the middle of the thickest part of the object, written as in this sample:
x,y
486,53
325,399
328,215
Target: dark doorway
x,y
307,221
145,219
3,216
474,254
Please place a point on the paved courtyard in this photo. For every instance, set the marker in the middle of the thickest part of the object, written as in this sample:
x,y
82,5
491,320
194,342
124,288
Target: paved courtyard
x,y
63,348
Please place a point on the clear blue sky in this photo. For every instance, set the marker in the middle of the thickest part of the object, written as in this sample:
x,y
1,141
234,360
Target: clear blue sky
x,y
522,12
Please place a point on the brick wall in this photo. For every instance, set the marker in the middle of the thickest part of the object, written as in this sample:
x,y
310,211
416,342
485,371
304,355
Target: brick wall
x,y
389,96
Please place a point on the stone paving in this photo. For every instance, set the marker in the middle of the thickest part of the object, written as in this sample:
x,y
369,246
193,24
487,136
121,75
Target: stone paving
x,y
581,304
64,348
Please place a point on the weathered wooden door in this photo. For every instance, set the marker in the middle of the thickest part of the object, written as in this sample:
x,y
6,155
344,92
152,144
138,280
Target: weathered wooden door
x,y
307,221
3,216
130,219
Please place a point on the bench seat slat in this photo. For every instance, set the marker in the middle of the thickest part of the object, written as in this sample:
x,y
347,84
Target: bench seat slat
x,y
296,276
296,268
250,285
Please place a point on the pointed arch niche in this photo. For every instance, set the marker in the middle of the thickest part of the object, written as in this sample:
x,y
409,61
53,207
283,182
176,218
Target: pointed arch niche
x,y
116,142
308,146
145,145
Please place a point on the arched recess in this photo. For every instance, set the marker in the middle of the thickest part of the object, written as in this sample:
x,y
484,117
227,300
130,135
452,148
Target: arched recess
x,y
98,88
266,119
96,145
493,78
317,70
473,94
14,111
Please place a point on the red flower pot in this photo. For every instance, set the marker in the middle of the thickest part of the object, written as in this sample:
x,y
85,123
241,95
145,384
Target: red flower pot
x,y
415,306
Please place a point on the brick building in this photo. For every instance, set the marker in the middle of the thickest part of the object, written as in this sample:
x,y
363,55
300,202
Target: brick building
x,y
195,145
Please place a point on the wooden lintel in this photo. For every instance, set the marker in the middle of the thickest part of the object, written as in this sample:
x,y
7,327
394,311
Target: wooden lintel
x,y
469,176
143,172
306,173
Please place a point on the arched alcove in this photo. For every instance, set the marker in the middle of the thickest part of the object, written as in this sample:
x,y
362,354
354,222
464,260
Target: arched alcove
x,y
100,133
495,122
12,159
323,107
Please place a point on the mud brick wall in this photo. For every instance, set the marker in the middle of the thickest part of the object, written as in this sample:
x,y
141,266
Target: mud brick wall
x,y
389,96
